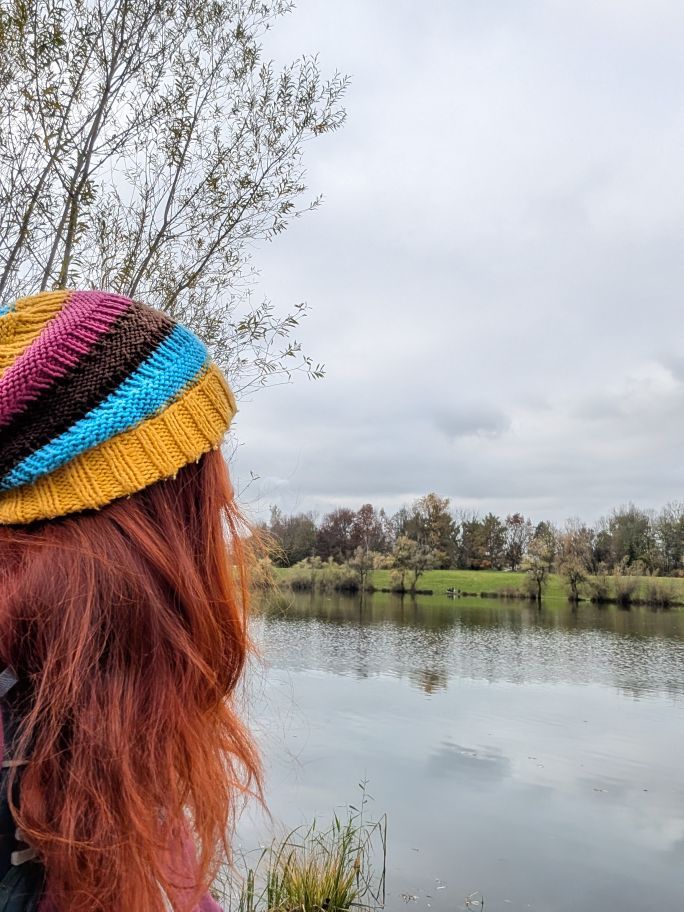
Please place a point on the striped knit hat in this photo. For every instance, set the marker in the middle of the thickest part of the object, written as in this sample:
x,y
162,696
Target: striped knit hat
x,y
99,397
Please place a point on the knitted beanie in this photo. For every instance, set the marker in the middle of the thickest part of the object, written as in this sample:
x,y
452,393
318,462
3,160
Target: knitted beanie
x,y
99,397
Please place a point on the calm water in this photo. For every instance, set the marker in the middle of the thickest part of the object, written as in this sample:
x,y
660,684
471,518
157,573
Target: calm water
x,y
536,759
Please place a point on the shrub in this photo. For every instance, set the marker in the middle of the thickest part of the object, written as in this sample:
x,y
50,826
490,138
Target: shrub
x,y
638,568
660,594
599,589
263,575
312,574
339,578
301,579
529,588
382,561
625,587
396,581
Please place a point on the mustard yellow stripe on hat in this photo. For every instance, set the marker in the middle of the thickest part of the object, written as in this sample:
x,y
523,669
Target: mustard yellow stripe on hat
x,y
23,324
129,462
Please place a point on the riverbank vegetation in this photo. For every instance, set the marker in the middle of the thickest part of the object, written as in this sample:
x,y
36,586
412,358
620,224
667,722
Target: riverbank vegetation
x,y
313,869
630,557
602,589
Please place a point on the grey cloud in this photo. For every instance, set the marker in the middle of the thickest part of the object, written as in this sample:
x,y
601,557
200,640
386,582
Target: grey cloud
x,y
674,363
599,408
478,420
497,266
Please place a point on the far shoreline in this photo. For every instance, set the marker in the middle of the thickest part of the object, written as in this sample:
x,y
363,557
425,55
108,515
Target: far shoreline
x,y
623,591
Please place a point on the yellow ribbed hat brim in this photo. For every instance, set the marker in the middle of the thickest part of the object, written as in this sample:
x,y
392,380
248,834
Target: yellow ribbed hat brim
x,y
155,449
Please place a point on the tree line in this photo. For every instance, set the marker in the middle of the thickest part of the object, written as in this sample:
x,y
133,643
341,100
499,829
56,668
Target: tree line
x,y
429,534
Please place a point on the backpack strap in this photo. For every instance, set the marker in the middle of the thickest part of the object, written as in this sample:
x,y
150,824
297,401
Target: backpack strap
x,y
7,681
19,855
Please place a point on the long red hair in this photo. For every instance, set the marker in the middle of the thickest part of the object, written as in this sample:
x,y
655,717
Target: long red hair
x,y
129,626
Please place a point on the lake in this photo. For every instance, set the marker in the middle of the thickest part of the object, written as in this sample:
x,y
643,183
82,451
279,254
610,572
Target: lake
x,y
536,758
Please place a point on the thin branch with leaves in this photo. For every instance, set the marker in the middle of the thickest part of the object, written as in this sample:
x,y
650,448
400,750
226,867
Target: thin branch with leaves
x,y
146,148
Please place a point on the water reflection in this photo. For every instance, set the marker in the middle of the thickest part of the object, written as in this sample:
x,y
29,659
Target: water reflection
x,y
430,640
533,757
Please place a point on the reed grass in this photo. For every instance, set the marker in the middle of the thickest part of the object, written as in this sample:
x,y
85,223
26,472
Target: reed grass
x,y
311,869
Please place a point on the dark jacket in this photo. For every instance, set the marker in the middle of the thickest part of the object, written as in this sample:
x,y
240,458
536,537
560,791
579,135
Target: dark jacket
x,y
21,875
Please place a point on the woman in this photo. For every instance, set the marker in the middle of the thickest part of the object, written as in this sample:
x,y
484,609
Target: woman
x,y
123,599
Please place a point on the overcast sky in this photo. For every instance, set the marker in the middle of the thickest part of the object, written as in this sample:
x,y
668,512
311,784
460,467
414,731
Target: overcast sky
x,y
496,274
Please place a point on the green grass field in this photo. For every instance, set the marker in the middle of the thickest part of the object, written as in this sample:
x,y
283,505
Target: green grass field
x,y
472,581
495,580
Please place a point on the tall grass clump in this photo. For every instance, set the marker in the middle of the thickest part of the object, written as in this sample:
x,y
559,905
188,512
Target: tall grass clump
x,y
660,594
315,575
599,588
626,589
313,870
262,574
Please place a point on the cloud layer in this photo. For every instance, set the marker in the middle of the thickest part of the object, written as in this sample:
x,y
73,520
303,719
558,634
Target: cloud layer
x,y
496,272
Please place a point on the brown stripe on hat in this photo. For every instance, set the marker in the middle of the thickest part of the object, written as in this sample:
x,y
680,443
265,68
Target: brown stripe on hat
x,y
131,339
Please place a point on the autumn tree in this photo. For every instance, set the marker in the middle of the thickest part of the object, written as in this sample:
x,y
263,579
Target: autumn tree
x,y
480,543
519,534
295,535
669,534
430,524
492,542
539,559
389,530
367,530
632,536
411,557
361,562
574,555
146,148
469,542
545,542
334,535
602,556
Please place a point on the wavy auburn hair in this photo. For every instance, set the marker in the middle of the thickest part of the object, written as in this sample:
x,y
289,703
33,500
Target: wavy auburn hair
x,y
129,627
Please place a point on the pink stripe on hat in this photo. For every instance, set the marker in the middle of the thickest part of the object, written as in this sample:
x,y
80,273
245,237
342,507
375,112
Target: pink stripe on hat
x,y
84,318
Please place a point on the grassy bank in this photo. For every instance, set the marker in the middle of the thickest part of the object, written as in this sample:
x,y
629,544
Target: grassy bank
x,y
496,582
474,581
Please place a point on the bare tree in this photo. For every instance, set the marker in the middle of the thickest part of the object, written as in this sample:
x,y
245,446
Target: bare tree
x,y
362,562
574,556
145,148
538,562
519,534
669,532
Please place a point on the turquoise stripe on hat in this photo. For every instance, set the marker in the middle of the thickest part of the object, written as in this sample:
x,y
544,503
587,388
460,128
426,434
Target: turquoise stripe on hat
x,y
158,381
